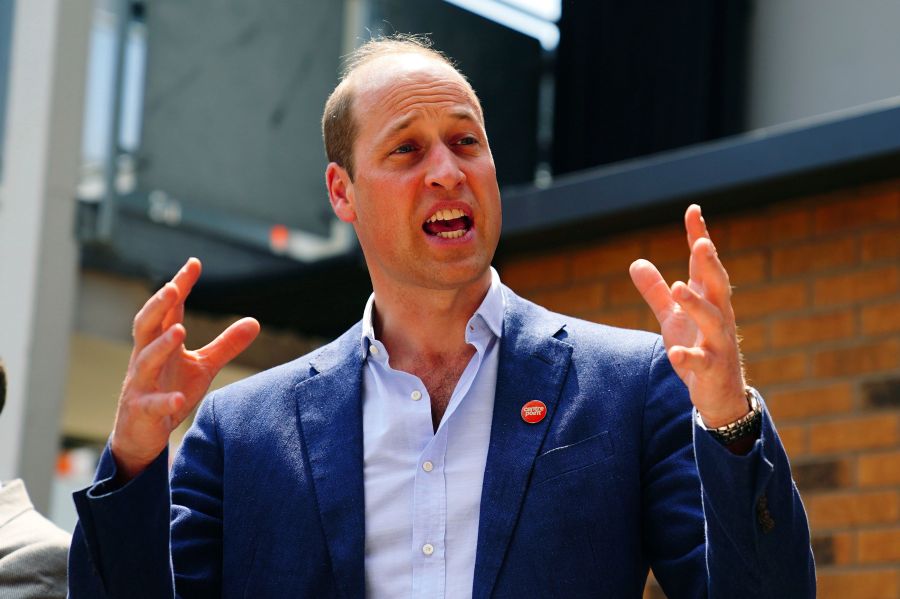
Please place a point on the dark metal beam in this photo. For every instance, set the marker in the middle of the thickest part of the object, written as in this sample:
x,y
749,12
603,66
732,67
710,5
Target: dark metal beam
x,y
757,167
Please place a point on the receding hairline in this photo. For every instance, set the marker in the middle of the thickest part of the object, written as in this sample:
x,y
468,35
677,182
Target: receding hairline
x,y
352,79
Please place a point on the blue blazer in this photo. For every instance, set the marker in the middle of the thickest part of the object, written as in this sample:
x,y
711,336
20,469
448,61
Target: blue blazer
x,y
266,494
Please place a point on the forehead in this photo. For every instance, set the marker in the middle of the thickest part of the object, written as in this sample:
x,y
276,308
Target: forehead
x,y
396,87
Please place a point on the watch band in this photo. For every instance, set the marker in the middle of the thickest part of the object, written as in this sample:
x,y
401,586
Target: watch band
x,y
742,427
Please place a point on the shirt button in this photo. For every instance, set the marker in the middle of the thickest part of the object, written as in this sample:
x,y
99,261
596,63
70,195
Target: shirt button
x,y
427,548
427,466
373,350
416,395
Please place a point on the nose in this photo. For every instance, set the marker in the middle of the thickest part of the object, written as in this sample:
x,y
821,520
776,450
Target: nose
x,y
443,169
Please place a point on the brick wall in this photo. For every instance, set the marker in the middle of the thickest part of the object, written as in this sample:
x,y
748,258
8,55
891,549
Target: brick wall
x,y
817,297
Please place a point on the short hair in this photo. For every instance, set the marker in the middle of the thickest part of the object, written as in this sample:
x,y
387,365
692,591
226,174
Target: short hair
x,y
2,386
339,128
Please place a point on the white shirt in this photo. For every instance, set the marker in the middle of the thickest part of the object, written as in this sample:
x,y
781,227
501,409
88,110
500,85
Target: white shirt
x,y
423,488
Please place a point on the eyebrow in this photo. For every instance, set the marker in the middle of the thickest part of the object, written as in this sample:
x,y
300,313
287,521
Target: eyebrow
x,y
406,122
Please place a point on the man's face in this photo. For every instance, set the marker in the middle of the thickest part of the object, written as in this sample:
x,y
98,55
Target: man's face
x,y
424,200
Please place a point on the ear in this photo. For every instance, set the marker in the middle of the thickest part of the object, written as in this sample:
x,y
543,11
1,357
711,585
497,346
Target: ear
x,y
340,192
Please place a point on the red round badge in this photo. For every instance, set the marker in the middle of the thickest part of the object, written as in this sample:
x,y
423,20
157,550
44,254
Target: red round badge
x,y
534,411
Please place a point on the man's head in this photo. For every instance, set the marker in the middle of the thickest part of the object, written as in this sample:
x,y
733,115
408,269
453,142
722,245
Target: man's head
x,y
411,167
2,386
339,123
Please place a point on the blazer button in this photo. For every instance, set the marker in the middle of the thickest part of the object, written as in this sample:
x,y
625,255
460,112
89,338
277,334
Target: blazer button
x,y
766,522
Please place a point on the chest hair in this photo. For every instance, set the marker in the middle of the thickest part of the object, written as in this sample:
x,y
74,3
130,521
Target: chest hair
x,y
440,378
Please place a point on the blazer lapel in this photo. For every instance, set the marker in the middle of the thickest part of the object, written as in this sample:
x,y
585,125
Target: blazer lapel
x,y
533,365
330,409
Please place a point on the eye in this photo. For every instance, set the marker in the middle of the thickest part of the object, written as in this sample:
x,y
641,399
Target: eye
x,y
404,149
468,140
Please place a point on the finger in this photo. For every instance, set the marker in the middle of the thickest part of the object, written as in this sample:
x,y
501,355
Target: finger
x,y
151,359
652,287
148,321
161,405
709,273
174,316
716,328
695,225
184,281
231,342
694,359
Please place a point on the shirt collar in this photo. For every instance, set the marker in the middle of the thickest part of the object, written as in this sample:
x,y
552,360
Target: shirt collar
x,y
490,311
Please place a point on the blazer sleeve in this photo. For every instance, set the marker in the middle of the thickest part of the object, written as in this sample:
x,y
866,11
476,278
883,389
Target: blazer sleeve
x,y
717,524
148,538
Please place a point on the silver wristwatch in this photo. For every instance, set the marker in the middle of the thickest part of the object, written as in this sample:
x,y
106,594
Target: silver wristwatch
x,y
742,427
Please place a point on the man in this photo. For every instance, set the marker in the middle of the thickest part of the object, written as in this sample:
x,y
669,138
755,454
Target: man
x,y
32,549
459,441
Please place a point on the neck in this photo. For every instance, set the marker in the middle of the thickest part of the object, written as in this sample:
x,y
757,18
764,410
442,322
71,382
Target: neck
x,y
426,323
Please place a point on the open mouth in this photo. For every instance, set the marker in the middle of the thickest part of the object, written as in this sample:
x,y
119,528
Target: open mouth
x,y
448,224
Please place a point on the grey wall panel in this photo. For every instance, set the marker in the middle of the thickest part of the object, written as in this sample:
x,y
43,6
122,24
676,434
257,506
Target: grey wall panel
x,y
811,57
6,17
233,100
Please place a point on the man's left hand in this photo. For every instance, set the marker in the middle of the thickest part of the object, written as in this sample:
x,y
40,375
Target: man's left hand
x,y
698,326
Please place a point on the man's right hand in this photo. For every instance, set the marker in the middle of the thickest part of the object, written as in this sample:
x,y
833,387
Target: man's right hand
x,y
165,381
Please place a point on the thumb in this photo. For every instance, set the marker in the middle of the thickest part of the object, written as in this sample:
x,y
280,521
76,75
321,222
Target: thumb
x,y
230,343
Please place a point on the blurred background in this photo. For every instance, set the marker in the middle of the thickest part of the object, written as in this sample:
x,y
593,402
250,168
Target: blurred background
x,y
137,133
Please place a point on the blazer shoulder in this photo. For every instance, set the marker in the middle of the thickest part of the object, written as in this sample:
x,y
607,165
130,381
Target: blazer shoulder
x,y
269,385
584,336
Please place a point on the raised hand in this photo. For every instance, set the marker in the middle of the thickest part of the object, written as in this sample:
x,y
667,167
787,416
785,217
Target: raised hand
x,y
164,380
698,326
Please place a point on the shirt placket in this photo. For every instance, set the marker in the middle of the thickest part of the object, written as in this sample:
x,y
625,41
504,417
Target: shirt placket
x,y
430,520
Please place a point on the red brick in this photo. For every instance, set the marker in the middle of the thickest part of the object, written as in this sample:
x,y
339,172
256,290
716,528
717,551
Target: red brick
x,y
778,225
835,549
827,474
879,469
576,300
776,369
770,299
851,509
622,292
748,231
536,272
849,434
814,257
668,245
879,545
857,286
790,224
746,269
754,337
675,271
881,245
793,438
805,403
626,318
803,330
882,318
868,584
613,257
859,359
854,211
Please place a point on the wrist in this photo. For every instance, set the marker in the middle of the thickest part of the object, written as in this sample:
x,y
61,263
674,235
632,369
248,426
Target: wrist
x,y
744,427
739,407
128,466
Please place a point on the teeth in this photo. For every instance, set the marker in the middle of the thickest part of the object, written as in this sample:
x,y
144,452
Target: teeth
x,y
451,234
446,215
